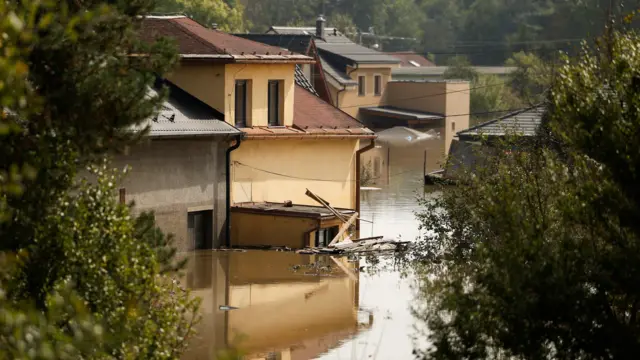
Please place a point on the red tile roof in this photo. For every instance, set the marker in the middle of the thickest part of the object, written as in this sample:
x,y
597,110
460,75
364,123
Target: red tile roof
x,y
195,40
406,57
313,117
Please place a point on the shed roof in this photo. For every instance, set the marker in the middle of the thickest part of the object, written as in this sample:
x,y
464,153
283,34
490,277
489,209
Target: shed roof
x,y
308,211
182,115
354,53
411,59
523,122
331,35
400,113
198,42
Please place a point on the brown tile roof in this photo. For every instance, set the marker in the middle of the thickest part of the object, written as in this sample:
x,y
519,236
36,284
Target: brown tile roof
x,y
407,56
196,41
313,117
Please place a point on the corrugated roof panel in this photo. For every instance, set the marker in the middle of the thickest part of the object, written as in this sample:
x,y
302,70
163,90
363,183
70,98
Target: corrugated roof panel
x,y
524,122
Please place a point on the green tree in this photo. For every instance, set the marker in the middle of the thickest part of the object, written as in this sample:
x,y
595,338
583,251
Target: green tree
x,y
531,78
86,279
226,16
536,254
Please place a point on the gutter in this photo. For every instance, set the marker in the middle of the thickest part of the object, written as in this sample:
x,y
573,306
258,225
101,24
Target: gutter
x,y
309,137
358,164
228,181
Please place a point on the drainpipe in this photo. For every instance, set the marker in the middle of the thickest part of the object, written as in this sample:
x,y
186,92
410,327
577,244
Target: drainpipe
x,y
228,180
358,164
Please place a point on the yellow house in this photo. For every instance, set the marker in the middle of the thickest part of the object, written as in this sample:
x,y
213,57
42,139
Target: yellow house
x,y
294,140
361,82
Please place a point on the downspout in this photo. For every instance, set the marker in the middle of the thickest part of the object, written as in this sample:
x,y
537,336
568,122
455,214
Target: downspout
x,y
228,180
358,164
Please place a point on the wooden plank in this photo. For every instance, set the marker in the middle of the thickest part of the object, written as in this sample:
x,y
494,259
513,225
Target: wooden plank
x,y
344,228
323,203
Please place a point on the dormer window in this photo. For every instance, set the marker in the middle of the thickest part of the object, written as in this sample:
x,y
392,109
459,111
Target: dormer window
x,y
275,102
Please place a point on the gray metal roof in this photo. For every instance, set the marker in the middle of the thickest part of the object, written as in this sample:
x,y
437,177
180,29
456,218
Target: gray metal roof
x,y
523,122
298,43
331,35
395,112
182,115
301,80
357,53
440,70
338,75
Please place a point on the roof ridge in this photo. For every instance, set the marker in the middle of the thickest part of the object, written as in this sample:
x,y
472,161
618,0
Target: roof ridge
x,y
197,37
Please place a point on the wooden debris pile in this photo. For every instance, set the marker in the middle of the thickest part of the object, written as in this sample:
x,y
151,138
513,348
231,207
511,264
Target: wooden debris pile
x,y
368,245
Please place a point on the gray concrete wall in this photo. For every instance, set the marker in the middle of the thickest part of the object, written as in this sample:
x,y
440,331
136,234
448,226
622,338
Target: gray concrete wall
x,y
175,177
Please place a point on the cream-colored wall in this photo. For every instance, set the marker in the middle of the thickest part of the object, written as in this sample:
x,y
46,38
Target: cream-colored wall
x,y
268,230
280,170
350,101
214,84
450,98
174,177
204,81
259,75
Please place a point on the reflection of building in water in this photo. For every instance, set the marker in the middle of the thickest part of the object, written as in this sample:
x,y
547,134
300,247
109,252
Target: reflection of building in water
x,y
289,306
403,151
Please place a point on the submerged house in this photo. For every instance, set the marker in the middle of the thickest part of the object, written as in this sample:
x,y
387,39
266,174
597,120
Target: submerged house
x,y
293,140
473,145
180,171
361,82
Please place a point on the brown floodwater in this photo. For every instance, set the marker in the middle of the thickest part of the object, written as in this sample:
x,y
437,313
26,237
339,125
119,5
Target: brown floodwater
x,y
289,306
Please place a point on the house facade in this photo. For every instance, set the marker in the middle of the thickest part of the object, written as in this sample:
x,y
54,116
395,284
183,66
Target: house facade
x,y
363,83
179,172
293,140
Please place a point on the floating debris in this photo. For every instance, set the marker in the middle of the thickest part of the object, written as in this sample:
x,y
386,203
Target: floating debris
x,y
368,245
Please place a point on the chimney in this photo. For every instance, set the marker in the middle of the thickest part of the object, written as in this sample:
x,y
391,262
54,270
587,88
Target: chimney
x,y
320,26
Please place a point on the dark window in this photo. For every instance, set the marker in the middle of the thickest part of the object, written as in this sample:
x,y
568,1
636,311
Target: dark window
x,y
241,103
200,227
378,85
324,236
362,91
274,102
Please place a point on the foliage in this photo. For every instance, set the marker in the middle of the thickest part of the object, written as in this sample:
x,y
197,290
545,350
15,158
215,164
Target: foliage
x,y
460,68
535,254
531,78
227,17
86,280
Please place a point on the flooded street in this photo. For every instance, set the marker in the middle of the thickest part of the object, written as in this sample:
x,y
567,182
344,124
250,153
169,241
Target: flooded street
x,y
281,305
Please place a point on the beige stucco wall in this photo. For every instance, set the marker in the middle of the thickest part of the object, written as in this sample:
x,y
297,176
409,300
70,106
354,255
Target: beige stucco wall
x,y
450,98
174,177
280,170
202,80
349,100
214,84
268,230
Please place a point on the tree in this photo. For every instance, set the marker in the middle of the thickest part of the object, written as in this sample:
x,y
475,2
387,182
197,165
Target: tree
x,y
227,17
536,254
531,78
82,267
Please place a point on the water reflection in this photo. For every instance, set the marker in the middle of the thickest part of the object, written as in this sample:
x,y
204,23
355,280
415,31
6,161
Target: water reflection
x,y
289,306
305,307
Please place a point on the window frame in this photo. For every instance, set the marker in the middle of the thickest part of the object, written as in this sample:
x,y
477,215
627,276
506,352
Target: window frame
x,y
362,86
279,85
377,87
241,123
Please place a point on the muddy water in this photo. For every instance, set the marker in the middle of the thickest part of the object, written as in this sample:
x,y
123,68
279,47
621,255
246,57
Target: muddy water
x,y
289,306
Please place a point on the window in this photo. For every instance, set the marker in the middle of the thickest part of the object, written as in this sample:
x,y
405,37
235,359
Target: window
x,y
275,102
200,227
362,91
453,126
324,236
241,103
377,85
376,167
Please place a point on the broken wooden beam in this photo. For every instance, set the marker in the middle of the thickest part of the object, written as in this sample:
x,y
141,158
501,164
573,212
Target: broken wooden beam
x,y
344,228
